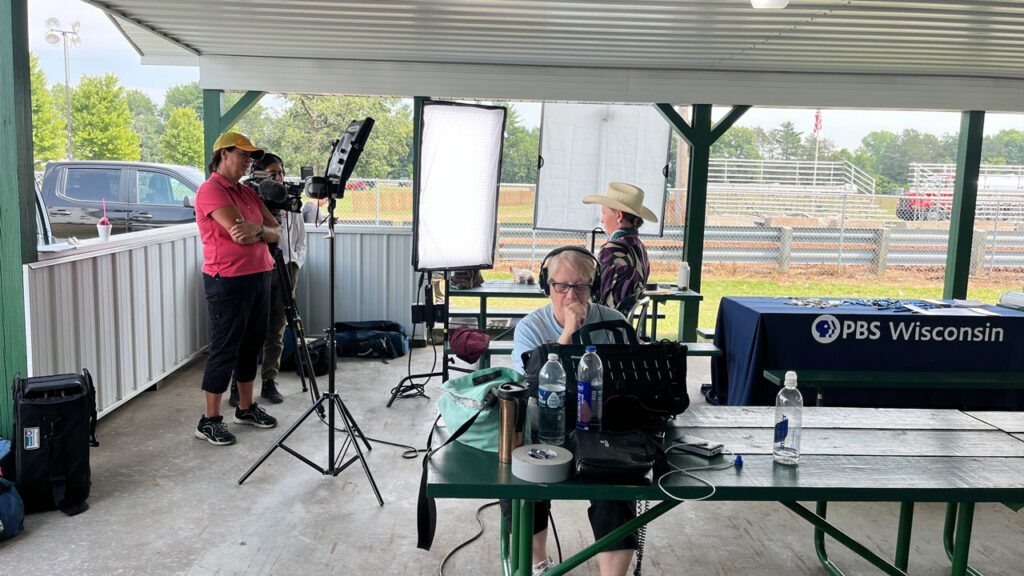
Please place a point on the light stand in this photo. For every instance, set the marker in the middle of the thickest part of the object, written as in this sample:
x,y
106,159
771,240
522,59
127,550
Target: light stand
x,y
335,406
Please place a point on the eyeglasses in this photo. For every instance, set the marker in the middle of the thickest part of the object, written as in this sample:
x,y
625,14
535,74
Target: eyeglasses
x,y
563,288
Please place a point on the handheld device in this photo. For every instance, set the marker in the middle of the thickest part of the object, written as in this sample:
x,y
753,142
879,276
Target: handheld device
x,y
700,446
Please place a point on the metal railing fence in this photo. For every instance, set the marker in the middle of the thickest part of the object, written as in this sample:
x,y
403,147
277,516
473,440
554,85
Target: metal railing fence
x,y
748,223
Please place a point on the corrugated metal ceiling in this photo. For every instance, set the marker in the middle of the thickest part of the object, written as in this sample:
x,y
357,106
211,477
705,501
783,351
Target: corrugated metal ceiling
x,y
959,43
933,37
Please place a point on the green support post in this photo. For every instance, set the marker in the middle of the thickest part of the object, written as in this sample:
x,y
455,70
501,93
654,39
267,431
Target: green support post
x,y
701,135
17,199
216,121
965,196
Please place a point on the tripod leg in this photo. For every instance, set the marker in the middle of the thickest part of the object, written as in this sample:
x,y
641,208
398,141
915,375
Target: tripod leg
x,y
291,314
280,444
347,418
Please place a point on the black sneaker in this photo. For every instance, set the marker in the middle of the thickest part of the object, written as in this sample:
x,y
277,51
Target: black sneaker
x,y
233,398
254,416
214,431
269,392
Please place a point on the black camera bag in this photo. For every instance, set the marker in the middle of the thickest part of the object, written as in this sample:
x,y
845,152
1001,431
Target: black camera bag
x,y
54,426
383,339
320,356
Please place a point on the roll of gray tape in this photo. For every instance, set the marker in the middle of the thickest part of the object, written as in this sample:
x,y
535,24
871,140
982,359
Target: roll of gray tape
x,y
541,463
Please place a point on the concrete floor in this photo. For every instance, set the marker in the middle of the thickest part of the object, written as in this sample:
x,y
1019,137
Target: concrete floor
x,y
164,502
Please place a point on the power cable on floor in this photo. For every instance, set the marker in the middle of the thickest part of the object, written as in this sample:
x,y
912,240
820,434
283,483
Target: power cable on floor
x,y
475,537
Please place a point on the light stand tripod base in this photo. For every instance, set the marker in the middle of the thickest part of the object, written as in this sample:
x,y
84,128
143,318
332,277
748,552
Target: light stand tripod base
x,y
333,469
335,405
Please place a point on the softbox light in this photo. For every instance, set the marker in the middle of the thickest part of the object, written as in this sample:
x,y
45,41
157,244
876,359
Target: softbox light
x,y
455,185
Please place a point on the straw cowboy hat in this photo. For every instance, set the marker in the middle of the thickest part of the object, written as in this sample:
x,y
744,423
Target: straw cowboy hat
x,y
623,197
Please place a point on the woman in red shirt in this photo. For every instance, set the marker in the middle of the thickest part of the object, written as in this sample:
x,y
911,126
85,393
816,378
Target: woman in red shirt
x,y
234,227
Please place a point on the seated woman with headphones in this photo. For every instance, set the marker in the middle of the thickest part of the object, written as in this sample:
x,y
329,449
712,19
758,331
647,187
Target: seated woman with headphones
x,y
568,276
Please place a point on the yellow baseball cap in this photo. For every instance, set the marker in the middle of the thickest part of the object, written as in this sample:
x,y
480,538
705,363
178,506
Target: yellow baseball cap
x,y
236,140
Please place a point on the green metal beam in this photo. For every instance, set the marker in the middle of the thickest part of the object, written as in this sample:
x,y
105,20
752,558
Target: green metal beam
x,y
725,123
965,196
216,121
696,212
700,135
17,199
676,121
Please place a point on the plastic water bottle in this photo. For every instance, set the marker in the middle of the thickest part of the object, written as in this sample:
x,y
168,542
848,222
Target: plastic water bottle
x,y
789,407
589,391
551,401
684,276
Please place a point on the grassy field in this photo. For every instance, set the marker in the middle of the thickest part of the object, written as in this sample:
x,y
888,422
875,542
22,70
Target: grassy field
x,y
714,289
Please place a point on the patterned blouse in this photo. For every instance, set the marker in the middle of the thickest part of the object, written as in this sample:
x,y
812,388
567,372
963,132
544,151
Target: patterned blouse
x,y
624,267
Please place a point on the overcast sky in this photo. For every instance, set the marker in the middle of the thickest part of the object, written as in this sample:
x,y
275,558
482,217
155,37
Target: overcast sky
x,y
104,50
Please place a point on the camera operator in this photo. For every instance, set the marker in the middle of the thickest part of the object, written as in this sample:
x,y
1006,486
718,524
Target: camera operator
x,y
293,251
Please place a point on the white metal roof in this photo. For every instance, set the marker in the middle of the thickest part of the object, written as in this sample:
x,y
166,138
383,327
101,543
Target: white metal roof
x,y
938,54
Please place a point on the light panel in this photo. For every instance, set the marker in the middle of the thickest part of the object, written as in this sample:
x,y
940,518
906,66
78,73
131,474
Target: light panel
x,y
455,189
587,146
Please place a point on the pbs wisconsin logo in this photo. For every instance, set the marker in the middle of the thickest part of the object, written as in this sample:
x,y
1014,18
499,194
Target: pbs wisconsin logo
x,y
825,329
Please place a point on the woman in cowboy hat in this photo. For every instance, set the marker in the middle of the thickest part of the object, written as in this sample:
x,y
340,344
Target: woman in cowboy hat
x,y
624,266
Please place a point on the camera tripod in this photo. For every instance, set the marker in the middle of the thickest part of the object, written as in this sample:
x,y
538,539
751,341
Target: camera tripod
x,y
335,406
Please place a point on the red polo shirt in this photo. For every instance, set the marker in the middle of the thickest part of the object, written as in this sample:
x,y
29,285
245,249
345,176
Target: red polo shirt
x,y
221,255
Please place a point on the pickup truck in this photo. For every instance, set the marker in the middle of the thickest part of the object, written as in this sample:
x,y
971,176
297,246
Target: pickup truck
x,y
138,195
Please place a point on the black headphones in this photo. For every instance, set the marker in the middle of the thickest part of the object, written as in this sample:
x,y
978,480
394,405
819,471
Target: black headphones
x,y
595,285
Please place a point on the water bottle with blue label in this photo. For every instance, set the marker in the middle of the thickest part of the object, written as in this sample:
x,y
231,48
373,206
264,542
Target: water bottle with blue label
x,y
551,401
589,391
789,405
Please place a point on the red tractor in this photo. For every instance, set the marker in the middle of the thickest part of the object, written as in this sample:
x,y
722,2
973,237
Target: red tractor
x,y
934,201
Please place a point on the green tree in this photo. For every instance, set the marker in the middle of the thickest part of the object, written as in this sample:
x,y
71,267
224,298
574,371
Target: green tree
x,y
785,142
145,123
890,155
737,142
310,124
182,141
101,121
48,130
948,144
519,150
825,146
1007,145
183,96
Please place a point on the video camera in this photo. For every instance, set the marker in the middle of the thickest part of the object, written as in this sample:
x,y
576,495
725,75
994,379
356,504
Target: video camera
x,y
276,195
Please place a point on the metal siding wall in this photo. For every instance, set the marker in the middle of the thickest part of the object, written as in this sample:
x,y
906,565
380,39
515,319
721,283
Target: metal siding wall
x,y
374,277
128,314
133,314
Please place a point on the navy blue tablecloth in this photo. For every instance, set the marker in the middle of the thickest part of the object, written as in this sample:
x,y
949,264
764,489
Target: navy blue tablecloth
x,y
758,334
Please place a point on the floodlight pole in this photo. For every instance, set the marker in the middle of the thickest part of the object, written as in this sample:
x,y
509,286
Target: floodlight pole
x,y
67,91
51,37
